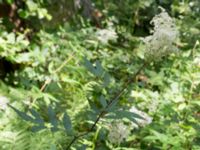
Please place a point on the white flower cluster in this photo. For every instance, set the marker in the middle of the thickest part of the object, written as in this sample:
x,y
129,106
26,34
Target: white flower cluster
x,y
161,42
118,131
140,122
147,99
104,35
3,102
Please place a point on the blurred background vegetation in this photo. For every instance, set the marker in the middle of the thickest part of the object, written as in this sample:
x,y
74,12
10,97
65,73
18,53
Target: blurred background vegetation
x,y
43,44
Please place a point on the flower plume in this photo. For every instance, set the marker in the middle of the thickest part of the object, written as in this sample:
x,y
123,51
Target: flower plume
x,y
164,35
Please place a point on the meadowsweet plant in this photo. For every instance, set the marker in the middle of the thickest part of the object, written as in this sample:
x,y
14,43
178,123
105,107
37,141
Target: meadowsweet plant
x,y
159,44
77,84
163,38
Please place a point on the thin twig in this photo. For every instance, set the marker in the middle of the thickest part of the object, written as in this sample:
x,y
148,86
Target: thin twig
x,y
193,49
64,63
103,112
48,81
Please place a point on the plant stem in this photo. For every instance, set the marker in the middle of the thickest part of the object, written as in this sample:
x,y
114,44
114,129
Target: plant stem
x,y
103,112
48,81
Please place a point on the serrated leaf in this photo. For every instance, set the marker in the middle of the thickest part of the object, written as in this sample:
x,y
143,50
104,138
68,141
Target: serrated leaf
x,y
106,79
128,114
53,119
89,66
112,107
99,69
67,123
38,118
23,115
103,101
37,128
93,105
119,114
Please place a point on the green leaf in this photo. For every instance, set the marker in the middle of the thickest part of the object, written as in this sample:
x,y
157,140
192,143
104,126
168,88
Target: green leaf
x,y
53,119
67,124
23,115
120,114
103,101
159,136
9,1
99,70
53,147
106,79
89,66
113,105
23,13
37,128
128,114
38,118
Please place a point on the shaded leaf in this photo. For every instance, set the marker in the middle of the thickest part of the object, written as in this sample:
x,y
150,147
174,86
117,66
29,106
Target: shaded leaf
x,y
23,115
99,69
38,118
120,114
67,123
53,119
89,66
37,128
103,101
106,79
128,114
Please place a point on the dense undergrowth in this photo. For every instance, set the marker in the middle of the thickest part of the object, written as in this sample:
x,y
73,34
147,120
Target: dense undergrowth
x,y
131,66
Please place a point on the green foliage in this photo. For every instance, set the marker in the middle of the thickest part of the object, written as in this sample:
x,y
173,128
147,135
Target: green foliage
x,y
57,81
